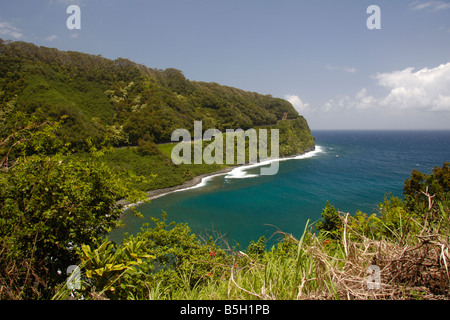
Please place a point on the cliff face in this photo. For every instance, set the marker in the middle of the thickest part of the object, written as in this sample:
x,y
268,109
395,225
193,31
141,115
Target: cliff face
x,y
295,137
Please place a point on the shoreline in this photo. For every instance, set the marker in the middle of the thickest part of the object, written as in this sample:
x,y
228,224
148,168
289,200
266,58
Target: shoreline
x,y
188,184
197,180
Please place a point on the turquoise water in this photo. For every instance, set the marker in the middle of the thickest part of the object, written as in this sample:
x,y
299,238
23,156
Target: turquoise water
x,y
351,169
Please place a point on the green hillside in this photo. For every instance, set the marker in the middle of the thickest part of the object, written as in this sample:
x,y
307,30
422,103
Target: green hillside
x,y
118,103
120,99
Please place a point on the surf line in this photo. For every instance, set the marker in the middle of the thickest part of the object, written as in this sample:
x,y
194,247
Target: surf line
x,y
257,147
236,172
240,171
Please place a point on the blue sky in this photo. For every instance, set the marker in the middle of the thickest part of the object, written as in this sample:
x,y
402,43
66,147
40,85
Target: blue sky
x,y
318,54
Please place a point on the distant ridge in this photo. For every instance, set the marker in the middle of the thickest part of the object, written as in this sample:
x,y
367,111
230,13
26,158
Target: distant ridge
x,y
119,102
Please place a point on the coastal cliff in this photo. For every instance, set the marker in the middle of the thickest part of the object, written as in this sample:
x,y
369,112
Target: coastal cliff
x,y
131,110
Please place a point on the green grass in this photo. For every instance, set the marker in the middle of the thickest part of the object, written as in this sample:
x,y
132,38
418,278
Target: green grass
x,y
318,265
151,172
157,171
166,148
315,267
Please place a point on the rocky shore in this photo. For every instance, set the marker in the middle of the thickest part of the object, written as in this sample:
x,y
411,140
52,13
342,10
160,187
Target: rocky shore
x,y
153,194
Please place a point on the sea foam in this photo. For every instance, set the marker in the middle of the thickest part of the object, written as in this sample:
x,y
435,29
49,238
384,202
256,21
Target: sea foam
x,y
241,172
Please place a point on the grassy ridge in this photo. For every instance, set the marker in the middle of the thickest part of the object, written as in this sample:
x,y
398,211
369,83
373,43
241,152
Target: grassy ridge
x,y
151,172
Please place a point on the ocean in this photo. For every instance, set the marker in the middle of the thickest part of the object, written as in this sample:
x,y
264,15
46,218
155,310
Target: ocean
x,y
353,170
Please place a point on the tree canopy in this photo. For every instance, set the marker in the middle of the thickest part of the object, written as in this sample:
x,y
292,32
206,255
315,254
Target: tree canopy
x,y
119,101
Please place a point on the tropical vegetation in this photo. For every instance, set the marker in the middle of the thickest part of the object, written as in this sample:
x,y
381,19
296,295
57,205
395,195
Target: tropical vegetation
x,y
81,132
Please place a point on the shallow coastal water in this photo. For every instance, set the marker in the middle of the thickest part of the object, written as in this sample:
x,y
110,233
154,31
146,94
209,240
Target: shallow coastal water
x,y
351,169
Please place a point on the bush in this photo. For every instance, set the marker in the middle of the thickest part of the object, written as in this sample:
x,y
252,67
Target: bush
x,y
146,147
331,223
50,205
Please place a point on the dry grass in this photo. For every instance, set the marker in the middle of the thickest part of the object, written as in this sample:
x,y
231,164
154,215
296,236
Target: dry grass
x,y
411,266
415,270
407,271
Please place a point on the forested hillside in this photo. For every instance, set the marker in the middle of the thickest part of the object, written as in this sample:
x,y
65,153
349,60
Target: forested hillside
x,y
100,103
119,101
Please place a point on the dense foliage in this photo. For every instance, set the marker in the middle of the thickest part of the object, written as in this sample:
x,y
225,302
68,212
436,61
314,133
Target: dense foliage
x,y
56,211
329,260
119,102
60,115
130,107
49,206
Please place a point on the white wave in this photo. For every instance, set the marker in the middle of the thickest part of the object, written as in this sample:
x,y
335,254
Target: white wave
x,y
310,154
202,183
240,172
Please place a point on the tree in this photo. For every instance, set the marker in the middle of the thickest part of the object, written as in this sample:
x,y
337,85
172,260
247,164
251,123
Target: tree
x,y
436,184
257,249
330,223
146,146
49,206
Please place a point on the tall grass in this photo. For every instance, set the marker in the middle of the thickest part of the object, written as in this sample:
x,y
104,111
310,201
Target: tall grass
x,y
316,267
412,258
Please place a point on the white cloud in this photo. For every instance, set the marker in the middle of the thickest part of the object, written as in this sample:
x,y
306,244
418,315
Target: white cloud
x,y
363,100
425,90
442,103
345,69
432,5
298,104
359,102
51,38
8,30
444,29
328,106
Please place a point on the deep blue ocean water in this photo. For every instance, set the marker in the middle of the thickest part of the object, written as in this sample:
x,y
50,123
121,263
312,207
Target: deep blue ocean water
x,y
351,169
